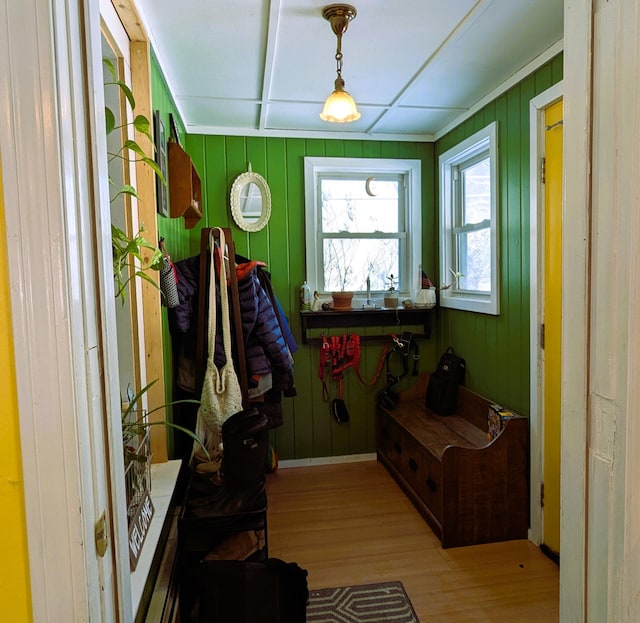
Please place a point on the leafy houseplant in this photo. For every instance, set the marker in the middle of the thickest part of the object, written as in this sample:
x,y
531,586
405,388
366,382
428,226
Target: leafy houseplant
x,y
133,255
456,280
125,251
129,251
137,447
135,425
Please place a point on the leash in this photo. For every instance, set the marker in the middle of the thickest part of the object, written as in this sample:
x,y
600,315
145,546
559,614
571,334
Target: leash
x,y
325,361
338,353
406,347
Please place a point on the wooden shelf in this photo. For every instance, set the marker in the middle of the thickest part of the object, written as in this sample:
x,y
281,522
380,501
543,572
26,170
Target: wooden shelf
x,y
185,189
364,318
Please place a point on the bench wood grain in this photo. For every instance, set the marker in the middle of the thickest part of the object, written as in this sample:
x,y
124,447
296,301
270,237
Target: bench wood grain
x,y
468,488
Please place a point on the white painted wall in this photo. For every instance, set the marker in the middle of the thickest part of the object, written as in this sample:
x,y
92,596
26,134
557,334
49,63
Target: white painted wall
x,y
600,571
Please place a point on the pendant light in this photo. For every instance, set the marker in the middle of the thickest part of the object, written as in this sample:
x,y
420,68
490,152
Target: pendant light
x,y
340,106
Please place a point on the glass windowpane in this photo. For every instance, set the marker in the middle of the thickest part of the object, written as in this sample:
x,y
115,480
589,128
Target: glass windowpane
x,y
348,262
474,260
347,207
476,189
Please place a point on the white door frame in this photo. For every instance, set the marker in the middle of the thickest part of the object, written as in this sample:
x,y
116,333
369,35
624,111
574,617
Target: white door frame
x,y
537,110
578,60
61,322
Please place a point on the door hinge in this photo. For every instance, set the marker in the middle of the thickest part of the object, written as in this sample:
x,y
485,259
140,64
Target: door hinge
x,y
542,494
543,170
542,336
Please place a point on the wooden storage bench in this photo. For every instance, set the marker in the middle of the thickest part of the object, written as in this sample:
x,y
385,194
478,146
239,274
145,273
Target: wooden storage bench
x,y
469,489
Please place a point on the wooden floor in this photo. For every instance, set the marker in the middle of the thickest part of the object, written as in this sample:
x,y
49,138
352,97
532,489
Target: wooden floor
x,y
351,524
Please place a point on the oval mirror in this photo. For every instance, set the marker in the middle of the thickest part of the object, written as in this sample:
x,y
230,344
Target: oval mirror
x,y
250,201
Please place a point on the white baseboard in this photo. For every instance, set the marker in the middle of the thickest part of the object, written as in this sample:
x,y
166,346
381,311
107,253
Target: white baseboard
x,y
328,460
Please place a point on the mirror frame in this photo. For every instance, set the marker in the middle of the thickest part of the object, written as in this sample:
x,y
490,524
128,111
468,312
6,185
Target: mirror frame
x,y
249,177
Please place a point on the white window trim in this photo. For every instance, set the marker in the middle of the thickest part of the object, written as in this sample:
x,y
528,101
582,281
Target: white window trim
x,y
316,166
487,138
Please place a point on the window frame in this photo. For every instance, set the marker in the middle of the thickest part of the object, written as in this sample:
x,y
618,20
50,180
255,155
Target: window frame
x,y
483,143
315,168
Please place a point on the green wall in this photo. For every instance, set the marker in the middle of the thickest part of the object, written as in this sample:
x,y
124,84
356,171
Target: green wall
x,y
496,348
309,429
180,242
178,239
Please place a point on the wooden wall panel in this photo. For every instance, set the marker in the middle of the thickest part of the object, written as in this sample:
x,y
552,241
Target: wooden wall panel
x,y
178,239
497,347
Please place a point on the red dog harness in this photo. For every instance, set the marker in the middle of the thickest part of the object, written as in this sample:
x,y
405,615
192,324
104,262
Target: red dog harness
x,y
337,354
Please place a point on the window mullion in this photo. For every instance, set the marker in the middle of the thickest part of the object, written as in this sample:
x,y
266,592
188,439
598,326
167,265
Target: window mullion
x,y
462,229
343,235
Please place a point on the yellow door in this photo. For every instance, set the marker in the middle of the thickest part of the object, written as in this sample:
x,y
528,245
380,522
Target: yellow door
x,y
552,326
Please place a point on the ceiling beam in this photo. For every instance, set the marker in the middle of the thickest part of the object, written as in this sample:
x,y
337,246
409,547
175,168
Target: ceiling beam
x,y
269,59
394,104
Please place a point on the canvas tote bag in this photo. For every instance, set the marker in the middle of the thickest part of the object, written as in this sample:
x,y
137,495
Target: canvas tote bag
x,y
221,394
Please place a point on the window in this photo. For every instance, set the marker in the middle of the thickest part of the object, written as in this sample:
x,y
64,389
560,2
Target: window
x,y
362,221
469,224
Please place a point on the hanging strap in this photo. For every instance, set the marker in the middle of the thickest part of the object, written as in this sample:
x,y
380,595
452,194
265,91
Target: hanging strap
x,y
378,371
325,358
224,299
406,347
240,363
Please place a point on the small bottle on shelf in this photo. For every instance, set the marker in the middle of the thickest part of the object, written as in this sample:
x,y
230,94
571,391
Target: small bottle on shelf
x,y
305,297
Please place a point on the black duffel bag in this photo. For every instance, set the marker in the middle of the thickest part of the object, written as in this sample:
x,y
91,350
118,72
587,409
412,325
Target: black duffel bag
x,y
270,591
442,391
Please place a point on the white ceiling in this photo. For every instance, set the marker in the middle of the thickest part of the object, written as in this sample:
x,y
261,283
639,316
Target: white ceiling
x,y
260,67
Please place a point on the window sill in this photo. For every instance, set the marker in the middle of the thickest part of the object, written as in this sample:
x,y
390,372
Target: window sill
x,y
163,481
364,318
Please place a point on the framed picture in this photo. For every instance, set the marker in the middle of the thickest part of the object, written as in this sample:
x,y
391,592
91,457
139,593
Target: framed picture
x,y
161,161
173,131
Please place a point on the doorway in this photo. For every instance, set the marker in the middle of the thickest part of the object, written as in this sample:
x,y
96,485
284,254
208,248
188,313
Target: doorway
x,y
552,330
546,317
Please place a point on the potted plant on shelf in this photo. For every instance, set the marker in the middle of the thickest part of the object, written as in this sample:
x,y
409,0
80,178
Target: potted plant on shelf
x,y
391,294
342,300
137,448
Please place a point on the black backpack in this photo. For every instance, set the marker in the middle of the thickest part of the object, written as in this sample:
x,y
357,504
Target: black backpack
x,y
442,391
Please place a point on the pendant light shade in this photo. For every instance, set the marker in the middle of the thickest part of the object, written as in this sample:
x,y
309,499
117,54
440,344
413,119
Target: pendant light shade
x,y
340,106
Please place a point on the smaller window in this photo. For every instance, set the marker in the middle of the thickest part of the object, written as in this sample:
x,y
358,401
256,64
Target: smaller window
x,y
469,224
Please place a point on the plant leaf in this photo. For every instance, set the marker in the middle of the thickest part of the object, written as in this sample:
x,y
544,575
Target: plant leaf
x,y
157,260
127,189
110,119
141,123
134,147
182,429
132,403
110,66
146,277
124,87
154,165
